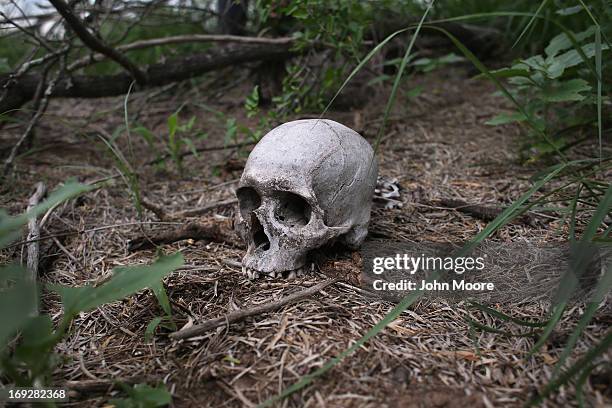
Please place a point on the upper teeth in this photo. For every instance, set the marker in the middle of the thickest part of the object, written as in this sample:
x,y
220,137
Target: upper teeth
x,y
295,273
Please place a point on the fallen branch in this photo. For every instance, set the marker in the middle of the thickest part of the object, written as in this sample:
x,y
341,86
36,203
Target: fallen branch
x,y
172,70
95,386
33,235
217,231
181,39
238,315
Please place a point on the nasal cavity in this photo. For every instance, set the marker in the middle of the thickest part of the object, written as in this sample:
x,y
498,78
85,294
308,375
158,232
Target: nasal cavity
x,y
260,239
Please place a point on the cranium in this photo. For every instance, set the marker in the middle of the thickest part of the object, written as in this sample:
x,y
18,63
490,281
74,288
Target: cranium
x,y
307,183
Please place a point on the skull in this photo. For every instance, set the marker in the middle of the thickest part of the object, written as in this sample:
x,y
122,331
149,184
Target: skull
x,y
307,183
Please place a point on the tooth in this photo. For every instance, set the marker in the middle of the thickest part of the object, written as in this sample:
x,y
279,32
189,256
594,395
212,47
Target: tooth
x,y
243,270
312,266
291,275
272,274
300,272
255,275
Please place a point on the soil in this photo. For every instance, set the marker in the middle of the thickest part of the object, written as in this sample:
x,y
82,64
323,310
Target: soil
x,y
437,147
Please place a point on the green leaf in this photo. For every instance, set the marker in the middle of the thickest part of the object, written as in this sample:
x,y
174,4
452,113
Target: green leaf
x,y
562,42
150,330
144,396
18,298
568,11
507,73
572,57
172,124
565,91
504,118
162,297
126,281
189,143
10,226
146,134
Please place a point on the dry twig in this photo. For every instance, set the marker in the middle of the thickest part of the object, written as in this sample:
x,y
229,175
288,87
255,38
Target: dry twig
x,y
33,234
245,313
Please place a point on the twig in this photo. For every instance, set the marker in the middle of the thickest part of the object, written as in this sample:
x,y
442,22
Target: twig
x,y
33,234
96,44
218,231
42,101
238,315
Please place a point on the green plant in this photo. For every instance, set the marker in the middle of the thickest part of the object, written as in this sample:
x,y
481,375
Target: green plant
x,y
180,138
143,396
558,90
27,339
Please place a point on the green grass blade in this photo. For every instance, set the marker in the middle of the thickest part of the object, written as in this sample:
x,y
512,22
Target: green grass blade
x,y
490,329
354,72
398,77
511,14
308,378
559,308
505,317
599,85
482,68
603,286
578,367
535,15
594,20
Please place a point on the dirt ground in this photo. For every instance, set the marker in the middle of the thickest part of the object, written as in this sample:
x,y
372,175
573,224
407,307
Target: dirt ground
x,y
436,145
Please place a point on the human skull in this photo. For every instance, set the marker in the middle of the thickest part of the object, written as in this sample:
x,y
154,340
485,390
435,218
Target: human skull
x,y
307,183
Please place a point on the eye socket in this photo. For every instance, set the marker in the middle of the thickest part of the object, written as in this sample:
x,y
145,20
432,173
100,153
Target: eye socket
x,y
249,200
292,210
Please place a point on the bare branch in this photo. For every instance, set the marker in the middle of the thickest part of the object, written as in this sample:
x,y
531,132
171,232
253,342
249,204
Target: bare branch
x,y
96,44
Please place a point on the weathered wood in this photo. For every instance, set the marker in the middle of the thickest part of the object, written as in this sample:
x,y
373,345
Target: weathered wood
x,y
33,247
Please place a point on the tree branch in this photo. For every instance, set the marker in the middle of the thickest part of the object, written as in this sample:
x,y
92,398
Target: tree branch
x,y
181,39
96,44
94,86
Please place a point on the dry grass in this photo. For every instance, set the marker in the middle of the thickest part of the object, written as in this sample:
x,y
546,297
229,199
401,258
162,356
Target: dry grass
x,y
436,145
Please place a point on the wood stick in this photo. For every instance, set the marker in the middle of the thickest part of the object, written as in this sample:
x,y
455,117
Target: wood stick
x,y
245,313
33,234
